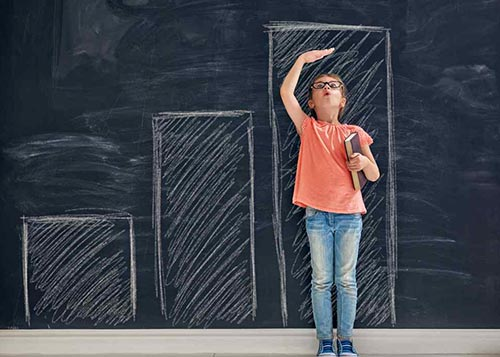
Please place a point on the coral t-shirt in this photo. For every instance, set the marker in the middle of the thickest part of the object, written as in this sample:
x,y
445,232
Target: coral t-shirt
x,y
322,180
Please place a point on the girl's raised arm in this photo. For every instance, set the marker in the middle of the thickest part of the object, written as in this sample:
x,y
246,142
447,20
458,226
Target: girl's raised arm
x,y
287,88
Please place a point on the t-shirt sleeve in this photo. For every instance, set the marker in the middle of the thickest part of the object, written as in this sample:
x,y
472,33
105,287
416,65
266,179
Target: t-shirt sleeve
x,y
306,122
364,137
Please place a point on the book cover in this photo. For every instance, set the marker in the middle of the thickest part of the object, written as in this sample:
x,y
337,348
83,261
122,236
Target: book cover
x,y
352,146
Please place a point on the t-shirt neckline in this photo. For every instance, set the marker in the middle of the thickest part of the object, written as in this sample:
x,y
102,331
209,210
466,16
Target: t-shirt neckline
x,y
327,123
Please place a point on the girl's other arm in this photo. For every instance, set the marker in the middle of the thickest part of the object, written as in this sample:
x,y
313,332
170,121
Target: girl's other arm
x,y
371,170
365,162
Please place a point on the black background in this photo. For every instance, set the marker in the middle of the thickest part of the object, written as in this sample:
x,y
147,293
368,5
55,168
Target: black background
x,y
213,55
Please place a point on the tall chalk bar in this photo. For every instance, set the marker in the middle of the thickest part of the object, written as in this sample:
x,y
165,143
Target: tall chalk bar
x,y
362,57
203,217
79,267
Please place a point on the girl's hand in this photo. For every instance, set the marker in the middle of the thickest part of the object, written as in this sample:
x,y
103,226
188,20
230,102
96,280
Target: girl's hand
x,y
357,162
314,55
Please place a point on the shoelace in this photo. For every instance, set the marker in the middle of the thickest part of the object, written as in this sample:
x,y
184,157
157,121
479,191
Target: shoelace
x,y
347,346
326,346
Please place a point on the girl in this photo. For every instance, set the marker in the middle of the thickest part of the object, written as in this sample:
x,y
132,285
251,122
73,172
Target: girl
x,y
333,209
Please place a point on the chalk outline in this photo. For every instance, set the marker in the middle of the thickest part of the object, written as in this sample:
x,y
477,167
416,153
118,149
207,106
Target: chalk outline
x,y
157,188
391,204
77,217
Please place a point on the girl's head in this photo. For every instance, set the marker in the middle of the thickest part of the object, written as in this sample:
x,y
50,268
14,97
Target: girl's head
x,y
326,97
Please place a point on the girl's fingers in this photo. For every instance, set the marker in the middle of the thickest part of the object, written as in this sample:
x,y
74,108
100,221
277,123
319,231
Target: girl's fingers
x,y
315,55
326,52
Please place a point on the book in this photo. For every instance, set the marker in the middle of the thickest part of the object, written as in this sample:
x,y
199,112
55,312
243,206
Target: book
x,y
352,146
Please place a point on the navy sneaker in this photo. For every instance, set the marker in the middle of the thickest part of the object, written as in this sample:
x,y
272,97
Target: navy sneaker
x,y
345,349
326,348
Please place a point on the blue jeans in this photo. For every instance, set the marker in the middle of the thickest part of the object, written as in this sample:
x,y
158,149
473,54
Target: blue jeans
x,y
334,243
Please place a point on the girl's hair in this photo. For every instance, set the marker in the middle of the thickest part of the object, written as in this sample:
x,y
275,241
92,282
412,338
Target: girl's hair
x,y
342,88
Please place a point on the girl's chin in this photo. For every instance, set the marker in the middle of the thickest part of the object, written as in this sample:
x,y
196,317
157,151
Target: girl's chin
x,y
328,106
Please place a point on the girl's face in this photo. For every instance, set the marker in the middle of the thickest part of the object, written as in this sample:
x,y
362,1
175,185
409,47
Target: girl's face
x,y
327,98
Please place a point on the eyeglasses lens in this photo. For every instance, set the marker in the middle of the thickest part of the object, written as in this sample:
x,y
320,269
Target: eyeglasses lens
x,y
331,84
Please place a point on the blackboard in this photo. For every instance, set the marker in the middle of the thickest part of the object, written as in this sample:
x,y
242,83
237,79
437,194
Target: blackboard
x,y
147,162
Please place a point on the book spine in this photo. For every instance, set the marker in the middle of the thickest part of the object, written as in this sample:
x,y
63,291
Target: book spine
x,y
354,174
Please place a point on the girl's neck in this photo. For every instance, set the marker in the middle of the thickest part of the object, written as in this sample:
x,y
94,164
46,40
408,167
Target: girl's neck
x,y
329,117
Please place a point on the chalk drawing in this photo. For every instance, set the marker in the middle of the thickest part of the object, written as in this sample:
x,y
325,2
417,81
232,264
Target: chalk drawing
x,y
79,266
363,59
203,216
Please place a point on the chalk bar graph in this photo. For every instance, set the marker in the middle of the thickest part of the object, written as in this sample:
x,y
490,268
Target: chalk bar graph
x,y
203,216
79,266
362,58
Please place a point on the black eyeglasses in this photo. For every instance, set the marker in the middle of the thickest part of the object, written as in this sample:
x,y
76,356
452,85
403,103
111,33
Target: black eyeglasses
x,y
331,84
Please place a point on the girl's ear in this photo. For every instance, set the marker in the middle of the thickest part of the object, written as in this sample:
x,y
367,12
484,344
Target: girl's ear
x,y
343,101
310,103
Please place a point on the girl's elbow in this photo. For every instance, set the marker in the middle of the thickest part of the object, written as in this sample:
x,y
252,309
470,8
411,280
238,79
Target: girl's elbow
x,y
373,175
285,92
